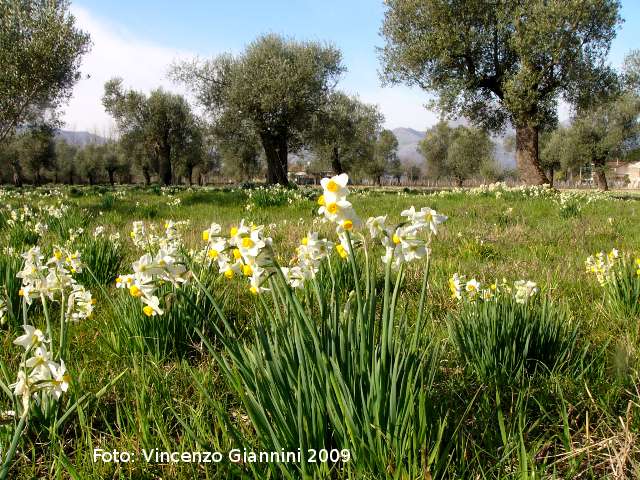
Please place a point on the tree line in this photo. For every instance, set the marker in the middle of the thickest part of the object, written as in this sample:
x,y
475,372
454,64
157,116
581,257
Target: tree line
x,y
498,65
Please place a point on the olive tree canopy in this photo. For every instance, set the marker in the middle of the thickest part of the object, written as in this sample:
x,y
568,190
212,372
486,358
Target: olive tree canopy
x,y
161,122
275,87
40,51
502,62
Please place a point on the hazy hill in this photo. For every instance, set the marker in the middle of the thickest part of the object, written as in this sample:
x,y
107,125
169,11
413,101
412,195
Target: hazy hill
x,y
408,140
79,138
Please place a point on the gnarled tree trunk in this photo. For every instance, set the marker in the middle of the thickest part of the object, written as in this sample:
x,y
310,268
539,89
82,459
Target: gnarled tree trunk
x,y
336,164
276,151
146,175
164,167
17,174
527,156
599,174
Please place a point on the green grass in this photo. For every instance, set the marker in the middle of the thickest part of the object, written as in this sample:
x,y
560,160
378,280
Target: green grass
x,y
176,392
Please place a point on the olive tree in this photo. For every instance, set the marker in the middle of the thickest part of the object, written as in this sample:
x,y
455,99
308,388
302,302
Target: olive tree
x,y
275,87
40,51
502,62
162,122
343,131
458,153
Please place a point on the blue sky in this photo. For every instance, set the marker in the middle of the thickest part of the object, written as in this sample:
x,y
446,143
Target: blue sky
x,y
138,39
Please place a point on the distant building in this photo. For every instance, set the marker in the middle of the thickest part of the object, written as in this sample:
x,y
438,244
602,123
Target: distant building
x,y
625,173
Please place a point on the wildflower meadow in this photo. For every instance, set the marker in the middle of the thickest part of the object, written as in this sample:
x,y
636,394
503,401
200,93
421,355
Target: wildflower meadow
x,y
319,332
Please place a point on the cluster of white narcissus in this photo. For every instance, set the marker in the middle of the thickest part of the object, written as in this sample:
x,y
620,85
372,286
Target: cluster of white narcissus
x,y
149,272
54,280
404,243
38,372
461,288
244,252
602,264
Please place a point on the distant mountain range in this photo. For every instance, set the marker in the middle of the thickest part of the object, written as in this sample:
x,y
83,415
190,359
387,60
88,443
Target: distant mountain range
x,y
79,138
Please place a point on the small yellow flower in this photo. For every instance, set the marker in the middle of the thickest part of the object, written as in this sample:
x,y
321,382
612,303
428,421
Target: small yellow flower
x,y
332,208
247,270
57,254
341,251
347,224
304,241
135,291
321,200
236,254
118,279
205,235
332,186
233,231
228,273
148,311
396,239
253,290
247,242
213,253
132,234
21,292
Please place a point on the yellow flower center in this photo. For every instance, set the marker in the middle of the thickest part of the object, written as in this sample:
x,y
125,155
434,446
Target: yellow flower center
x,y
253,290
148,311
347,224
396,239
236,254
21,292
57,254
341,251
135,291
304,241
332,186
321,200
228,273
233,231
118,279
205,235
247,242
213,253
247,270
332,208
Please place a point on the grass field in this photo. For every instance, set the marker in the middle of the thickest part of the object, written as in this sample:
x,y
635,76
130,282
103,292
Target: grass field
x,y
395,378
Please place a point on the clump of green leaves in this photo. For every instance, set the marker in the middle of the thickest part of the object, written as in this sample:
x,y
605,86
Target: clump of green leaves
x,y
622,289
103,259
501,340
340,373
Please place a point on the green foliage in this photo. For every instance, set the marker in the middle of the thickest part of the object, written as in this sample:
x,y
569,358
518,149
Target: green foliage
x,y
166,336
458,152
339,374
501,340
622,291
10,286
162,122
502,62
40,57
103,258
273,88
344,133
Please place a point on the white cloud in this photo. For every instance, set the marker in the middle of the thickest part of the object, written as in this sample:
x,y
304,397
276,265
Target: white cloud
x,y
114,53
